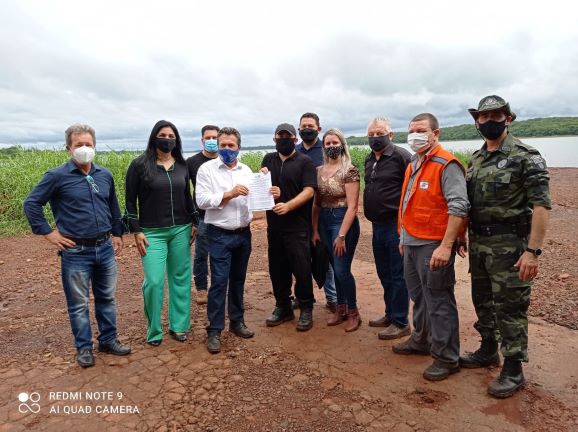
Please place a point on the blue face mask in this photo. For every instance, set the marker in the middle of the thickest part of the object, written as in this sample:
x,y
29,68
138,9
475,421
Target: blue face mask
x,y
211,145
228,156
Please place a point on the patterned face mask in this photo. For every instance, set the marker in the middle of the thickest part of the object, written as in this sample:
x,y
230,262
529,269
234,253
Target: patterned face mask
x,y
333,152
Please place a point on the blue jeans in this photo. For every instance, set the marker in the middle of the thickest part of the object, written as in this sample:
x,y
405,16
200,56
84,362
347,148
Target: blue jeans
x,y
201,262
330,220
229,257
329,286
389,265
83,266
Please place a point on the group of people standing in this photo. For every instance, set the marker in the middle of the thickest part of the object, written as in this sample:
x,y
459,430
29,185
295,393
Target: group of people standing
x,y
421,209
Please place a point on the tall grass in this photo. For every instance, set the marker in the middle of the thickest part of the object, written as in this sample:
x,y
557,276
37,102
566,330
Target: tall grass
x,y
253,160
21,170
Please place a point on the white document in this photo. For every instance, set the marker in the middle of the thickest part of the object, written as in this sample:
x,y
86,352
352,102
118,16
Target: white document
x,y
260,196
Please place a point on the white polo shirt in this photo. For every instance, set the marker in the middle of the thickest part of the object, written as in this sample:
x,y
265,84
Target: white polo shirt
x,y
214,178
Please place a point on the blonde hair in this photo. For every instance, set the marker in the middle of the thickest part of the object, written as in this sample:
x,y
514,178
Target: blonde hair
x,y
346,163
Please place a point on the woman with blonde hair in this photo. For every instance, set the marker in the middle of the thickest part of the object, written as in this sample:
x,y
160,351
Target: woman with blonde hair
x,y
335,222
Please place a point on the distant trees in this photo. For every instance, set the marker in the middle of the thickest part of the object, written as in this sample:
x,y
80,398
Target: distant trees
x,y
533,128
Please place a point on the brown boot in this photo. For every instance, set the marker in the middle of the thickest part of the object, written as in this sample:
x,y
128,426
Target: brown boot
x,y
338,316
353,320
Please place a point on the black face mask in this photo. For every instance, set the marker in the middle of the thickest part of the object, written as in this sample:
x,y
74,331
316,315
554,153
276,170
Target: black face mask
x,y
333,152
492,129
308,135
285,146
166,145
379,143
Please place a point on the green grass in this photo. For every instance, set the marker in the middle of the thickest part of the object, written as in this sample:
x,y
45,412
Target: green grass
x,y
253,160
21,170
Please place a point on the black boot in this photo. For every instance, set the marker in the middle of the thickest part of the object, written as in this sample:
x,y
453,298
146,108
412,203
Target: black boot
x,y
305,319
279,316
486,356
511,379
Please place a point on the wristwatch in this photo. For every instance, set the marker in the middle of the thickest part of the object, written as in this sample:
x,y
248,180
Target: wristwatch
x,y
537,252
341,237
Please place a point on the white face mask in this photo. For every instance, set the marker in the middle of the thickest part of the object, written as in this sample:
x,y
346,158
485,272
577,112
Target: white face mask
x,y
418,141
83,155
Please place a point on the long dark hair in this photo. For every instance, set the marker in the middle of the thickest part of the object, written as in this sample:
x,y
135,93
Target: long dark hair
x,y
148,160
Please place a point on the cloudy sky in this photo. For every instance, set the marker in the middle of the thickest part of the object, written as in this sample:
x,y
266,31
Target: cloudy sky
x,y
122,65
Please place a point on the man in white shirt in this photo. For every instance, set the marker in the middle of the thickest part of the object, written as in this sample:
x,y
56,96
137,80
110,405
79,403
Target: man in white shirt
x,y
221,191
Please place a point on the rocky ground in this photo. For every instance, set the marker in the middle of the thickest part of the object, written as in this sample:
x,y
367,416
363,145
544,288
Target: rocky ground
x,y
281,380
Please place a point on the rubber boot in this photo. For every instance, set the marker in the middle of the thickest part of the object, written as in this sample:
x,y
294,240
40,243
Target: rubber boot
x,y
486,356
510,380
353,320
338,316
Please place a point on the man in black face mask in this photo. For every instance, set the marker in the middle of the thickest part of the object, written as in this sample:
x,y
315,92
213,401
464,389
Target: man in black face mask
x,y
294,180
384,173
509,195
312,147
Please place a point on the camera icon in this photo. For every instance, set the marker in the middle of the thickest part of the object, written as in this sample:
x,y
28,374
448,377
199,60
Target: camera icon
x,y
29,402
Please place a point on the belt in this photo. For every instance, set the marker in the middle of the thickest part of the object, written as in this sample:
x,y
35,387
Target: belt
x,y
519,229
227,231
91,242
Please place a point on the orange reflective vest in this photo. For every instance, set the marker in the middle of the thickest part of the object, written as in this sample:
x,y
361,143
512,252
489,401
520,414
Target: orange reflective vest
x,y
426,213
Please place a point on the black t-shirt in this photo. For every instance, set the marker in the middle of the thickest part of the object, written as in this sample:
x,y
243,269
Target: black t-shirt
x,y
383,184
292,176
193,165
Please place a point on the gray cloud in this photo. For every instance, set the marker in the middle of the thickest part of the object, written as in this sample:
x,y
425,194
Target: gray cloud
x,y
48,82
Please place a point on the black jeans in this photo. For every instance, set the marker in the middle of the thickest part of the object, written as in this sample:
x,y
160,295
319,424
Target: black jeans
x,y
290,255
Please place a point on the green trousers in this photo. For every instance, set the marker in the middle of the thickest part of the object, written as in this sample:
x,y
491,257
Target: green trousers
x,y
168,253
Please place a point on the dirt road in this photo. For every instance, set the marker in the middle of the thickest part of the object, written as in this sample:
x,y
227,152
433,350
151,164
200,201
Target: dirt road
x,y
282,380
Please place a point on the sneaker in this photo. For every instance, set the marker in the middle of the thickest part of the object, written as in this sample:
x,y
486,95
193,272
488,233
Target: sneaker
x,y
114,347
85,358
408,348
202,297
394,332
279,316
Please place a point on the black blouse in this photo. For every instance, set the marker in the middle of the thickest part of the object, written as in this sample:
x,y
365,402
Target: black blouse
x,y
163,201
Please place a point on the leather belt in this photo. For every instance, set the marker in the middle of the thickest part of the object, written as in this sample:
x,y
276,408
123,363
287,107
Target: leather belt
x,y
227,231
91,242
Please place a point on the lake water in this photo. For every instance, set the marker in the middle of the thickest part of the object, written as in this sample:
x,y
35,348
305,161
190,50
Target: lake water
x,y
558,151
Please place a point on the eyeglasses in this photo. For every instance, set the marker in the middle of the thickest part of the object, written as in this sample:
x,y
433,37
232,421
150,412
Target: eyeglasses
x,y
372,175
90,180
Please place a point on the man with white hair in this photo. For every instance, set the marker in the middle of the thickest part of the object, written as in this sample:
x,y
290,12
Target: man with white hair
x,y
88,236
384,172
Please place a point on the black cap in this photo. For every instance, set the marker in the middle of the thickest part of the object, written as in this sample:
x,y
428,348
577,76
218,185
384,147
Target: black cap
x,y
287,128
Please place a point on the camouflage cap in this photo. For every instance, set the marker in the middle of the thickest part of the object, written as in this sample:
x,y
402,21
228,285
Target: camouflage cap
x,y
490,103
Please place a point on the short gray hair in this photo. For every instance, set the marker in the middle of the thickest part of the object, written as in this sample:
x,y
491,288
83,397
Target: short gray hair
x,y
380,119
78,129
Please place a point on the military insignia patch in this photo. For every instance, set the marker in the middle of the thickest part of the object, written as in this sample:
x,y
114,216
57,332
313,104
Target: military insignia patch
x,y
502,163
538,161
424,185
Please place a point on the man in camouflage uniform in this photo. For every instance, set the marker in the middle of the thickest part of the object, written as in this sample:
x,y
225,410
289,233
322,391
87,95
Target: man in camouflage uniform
x,y
509,196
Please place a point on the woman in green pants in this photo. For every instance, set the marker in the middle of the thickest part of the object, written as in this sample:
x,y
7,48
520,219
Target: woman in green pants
x,y
160,209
